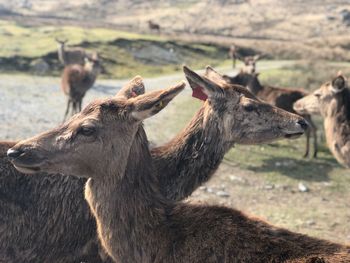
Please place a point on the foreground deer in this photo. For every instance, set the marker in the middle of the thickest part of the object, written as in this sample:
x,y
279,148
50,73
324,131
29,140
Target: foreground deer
x,y
134,221
183,164
332,101
283,98
77,80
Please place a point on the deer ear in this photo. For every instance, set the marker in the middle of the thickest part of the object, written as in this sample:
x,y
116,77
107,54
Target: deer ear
x,y
202,87
213,75
133,88
149,104
338,84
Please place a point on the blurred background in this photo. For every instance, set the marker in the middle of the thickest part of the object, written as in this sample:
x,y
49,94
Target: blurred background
x,y
302,43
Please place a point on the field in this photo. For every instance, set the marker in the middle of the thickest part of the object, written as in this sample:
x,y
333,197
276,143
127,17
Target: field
x,y
261,180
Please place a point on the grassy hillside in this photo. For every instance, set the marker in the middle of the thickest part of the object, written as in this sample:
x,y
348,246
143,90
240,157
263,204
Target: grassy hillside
x,y
123,54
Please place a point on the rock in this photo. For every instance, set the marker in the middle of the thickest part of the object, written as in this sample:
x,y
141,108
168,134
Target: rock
x,y
235,178
40,66
222,194
310,222
210,190
303,188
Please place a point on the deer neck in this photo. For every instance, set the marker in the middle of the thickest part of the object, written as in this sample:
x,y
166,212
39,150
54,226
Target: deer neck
x,y
128,207
192,157
337,121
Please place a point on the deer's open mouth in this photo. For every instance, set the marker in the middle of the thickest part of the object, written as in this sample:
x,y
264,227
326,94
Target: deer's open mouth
x,y
293,135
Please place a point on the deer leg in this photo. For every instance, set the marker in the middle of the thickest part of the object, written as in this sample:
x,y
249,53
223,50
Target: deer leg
x,y
75,106
234,62
67,110
80,102
314,134
307,133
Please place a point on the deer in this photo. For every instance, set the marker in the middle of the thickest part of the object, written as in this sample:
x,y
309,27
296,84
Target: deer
x,y
183,164
68,56
283,98
135,222
249,63
77,80
153,26
332,102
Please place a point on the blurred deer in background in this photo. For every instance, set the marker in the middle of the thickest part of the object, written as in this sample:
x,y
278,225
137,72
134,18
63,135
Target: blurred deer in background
x,y
332,101
68,56
153,26
249,63
77,80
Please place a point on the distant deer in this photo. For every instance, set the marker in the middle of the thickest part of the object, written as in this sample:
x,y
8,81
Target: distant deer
x,y
232,54
153,26
68,56
332,101
283,98
135,222
179,176
77,80
249,62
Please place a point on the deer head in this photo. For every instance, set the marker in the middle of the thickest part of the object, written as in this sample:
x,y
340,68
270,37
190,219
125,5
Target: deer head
x,y
61,42
245,119
321,99
105,128
249,63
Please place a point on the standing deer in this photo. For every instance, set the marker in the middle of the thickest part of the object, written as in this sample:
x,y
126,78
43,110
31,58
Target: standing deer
x,y
135,222
283,98
182,165
68,56
249,63
77,80
332,101
153,26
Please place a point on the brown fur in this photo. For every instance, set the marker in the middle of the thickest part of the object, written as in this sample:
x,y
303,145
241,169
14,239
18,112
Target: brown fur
x,y
283,98
135,222
179,176
76,81
69,56
332,101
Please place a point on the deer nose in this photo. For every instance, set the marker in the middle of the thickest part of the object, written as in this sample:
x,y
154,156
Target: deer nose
x,y
13,153
303,124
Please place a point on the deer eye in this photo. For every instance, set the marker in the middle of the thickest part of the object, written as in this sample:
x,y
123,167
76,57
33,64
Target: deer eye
x,y
317,95
86,130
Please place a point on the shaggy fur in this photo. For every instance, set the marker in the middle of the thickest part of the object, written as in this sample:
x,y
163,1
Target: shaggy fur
x,y
135,222
183,164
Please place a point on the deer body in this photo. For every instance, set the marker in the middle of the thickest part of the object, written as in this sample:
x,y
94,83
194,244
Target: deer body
x,y
331,100
69,56
135,222
76,81
280,97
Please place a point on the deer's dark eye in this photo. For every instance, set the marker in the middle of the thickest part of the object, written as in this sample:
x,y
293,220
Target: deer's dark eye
x,y
317,95
249,107
87,131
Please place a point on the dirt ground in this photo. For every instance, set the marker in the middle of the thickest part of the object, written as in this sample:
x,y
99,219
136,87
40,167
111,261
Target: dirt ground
x,y
268,181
